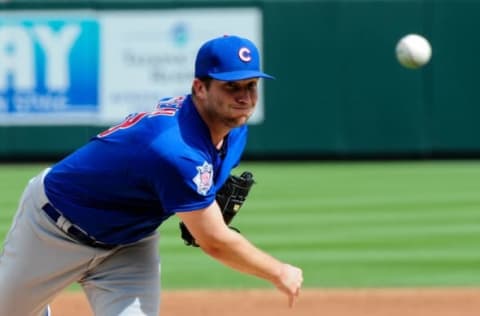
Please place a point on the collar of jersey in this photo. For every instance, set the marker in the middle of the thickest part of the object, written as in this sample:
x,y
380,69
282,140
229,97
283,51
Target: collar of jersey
x,y
198,131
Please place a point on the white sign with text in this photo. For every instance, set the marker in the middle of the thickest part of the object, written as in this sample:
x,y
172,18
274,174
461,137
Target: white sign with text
x,y
150,55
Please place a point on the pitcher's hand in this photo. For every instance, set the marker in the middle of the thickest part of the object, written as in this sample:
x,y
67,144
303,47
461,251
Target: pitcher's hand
x,y
289,282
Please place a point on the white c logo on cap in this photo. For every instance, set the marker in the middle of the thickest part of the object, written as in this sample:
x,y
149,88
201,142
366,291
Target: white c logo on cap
x,y
244,54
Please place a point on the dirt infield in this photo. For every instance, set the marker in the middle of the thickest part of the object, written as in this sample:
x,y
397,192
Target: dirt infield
x,y
384,302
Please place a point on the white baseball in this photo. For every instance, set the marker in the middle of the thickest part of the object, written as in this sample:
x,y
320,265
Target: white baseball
x,y
413,51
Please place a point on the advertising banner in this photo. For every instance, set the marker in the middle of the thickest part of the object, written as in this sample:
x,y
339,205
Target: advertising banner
x,y
96,67
49,71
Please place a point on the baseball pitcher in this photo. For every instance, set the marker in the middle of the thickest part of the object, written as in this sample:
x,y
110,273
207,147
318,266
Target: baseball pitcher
x,y
92,218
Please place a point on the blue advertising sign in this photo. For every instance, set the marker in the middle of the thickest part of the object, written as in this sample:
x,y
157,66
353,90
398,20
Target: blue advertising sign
x,y
48,66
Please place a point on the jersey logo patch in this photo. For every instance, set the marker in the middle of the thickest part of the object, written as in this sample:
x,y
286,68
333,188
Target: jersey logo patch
x,y
204,178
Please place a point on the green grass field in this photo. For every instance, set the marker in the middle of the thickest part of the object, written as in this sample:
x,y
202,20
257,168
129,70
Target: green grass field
x,y
363,224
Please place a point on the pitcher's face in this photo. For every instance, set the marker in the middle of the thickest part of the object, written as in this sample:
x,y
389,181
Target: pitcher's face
x,y
230,102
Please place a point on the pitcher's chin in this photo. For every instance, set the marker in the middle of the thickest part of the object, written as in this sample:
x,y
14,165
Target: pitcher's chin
x,y
237,121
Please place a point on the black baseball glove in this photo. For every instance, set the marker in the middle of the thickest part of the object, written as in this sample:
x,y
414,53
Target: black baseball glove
x,y
230,198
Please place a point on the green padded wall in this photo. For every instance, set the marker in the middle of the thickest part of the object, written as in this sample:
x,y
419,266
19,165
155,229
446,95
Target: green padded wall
x,y
339,90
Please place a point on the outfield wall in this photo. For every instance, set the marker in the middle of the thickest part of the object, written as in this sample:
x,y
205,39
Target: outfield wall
x,y
339,90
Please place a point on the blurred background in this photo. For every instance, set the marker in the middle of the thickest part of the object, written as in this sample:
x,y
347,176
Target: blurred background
x,y
68,69
371,185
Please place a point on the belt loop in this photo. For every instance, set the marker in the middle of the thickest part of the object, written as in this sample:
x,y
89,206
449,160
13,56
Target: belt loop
x,y
64,223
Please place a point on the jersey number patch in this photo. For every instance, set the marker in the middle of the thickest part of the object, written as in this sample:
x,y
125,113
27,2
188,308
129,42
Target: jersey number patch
x,y
128,122
166,107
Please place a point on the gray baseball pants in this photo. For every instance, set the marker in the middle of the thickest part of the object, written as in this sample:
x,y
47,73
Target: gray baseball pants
x,y
39,260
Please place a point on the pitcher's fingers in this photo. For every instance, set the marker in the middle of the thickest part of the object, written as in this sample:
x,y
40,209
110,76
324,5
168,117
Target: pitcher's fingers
x,y
293,297
297,294
291,301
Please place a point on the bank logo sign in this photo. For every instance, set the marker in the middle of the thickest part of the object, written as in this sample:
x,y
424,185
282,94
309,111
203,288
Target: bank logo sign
x,y
48,66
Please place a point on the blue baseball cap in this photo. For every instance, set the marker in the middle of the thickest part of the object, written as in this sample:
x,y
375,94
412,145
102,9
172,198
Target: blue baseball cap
x,y
229,58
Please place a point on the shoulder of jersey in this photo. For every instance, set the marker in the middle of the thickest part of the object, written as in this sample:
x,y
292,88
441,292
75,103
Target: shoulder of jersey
x,y
168,106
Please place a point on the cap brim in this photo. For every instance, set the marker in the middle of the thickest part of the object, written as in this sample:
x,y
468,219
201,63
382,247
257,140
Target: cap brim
x,y
239,75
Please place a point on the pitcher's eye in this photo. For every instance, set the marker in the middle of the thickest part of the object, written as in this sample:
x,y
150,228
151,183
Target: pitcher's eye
x,y
252,86
232,86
